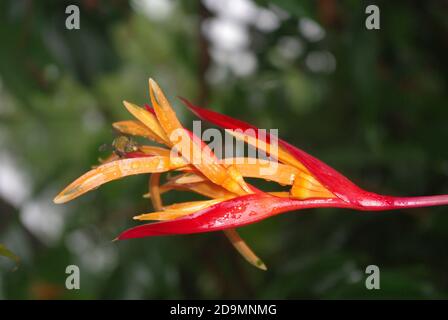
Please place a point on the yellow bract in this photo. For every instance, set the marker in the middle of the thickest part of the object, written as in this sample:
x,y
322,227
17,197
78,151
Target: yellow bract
x,y
201,171
116,170
149,120
136,128
178,210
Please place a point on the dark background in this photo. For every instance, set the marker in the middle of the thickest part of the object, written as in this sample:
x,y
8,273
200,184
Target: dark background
x,y
371,103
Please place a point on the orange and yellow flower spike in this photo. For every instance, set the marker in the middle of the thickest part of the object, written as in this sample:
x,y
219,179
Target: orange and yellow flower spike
x,y
280,154
178,210
136,128
116,170
241,246
253,168
227,177
192,147
149,120
205,188
156,151
183,209
154,191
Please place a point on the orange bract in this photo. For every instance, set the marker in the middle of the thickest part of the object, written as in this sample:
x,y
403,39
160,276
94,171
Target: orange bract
x,y
116,170
136,128
149,120
203,173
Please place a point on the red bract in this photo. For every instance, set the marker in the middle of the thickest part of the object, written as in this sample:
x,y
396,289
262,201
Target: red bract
x,y
338,184
232,213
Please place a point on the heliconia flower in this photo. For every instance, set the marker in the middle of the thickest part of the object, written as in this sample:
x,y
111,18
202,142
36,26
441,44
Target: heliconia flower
x,y
210,176
233,202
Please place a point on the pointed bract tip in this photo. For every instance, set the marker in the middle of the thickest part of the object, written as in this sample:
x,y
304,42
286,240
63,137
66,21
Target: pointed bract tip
x,y
262,266
59,199
130,107
152,82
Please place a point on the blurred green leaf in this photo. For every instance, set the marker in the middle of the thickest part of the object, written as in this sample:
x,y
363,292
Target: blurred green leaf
x,y
5,252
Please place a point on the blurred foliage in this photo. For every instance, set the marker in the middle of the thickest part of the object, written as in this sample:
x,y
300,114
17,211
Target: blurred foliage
x,y
5,252
378,113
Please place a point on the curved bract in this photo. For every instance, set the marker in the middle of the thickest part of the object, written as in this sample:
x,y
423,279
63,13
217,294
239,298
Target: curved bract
x,y
236,212
233,202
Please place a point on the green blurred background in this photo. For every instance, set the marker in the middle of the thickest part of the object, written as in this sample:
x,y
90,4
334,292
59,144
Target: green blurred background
x,y
373,104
